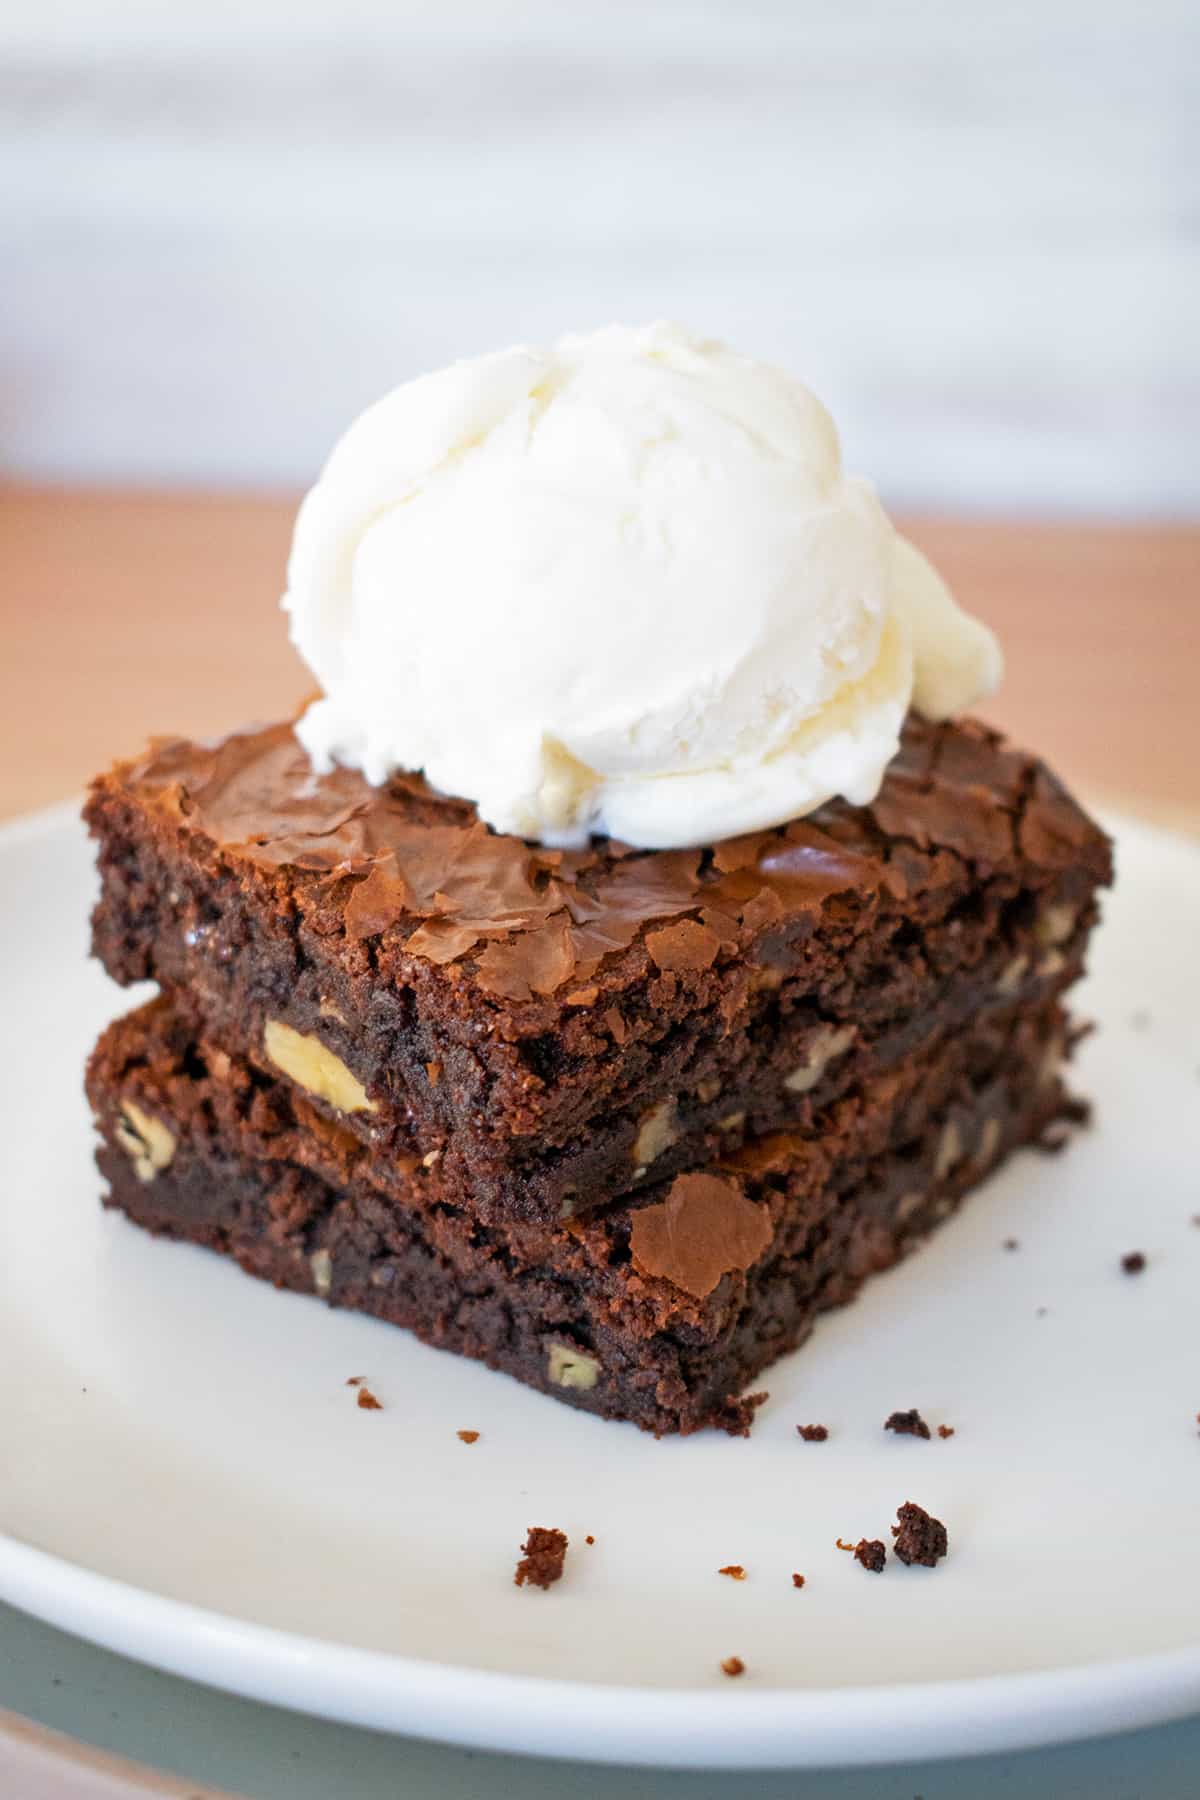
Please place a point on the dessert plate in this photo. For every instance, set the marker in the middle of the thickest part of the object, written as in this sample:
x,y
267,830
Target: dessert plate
x,y
186,1477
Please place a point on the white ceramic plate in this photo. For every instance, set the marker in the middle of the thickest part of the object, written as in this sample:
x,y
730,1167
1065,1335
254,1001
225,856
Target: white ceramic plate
x,y
184,1475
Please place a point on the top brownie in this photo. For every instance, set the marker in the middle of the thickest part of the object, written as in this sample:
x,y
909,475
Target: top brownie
x,y
559,1026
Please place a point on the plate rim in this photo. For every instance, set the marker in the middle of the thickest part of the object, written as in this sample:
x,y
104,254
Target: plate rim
x,y
699,1727
677,1727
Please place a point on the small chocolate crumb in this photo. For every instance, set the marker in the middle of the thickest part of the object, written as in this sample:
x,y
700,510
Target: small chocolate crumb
x,y
545,1550
737,1415
355,1380
920,1538
871,1553
1134,1263
733,1665
589,1539
797,1581
735,1571
468,1437
906,1424
368,1402
842,1546
1012,1243
813,1434
945,1431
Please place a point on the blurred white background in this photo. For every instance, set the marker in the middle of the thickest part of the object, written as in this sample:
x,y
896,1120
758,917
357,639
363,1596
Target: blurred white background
x,y
973,228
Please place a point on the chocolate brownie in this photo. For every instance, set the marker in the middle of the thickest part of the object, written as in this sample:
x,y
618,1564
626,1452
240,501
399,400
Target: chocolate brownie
x,y
661,1309
558,1028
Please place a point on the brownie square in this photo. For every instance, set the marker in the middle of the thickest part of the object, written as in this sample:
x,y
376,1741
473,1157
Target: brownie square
x,y
555,1030
659,1310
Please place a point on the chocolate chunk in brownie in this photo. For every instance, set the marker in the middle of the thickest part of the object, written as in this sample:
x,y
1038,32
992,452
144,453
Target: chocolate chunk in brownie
x,y
544,1552
919,1537
906,1424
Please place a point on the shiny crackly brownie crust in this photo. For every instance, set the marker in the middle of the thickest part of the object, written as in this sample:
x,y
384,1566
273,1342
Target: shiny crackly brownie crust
x,y
660,1310
559,1028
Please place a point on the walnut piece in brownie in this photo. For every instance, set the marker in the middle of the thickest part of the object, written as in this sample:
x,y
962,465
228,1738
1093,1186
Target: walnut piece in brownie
x,y
813,1434
906,1424
920,1538
545,1550
870,1552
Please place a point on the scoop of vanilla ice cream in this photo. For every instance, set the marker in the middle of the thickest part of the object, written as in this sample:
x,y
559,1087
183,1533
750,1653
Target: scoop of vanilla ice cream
x,y
622,586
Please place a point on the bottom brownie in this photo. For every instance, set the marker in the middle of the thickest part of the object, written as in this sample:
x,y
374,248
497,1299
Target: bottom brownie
x,y
659,1311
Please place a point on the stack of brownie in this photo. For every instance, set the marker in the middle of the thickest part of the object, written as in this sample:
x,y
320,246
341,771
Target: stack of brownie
x,y
620,1123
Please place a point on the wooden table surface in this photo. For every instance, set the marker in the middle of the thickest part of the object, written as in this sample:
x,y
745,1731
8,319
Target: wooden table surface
x,y
124,614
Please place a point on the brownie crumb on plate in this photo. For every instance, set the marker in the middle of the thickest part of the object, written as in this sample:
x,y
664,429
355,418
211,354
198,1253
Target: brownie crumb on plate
x,y
813,1434
733,1665
589,1539
1134,1263
1012,1243
906,1424
368,1402
945,1431
842,1545
797,1581
919,1537
736,1416
735,1571
871,1553
468,1437
545,1550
